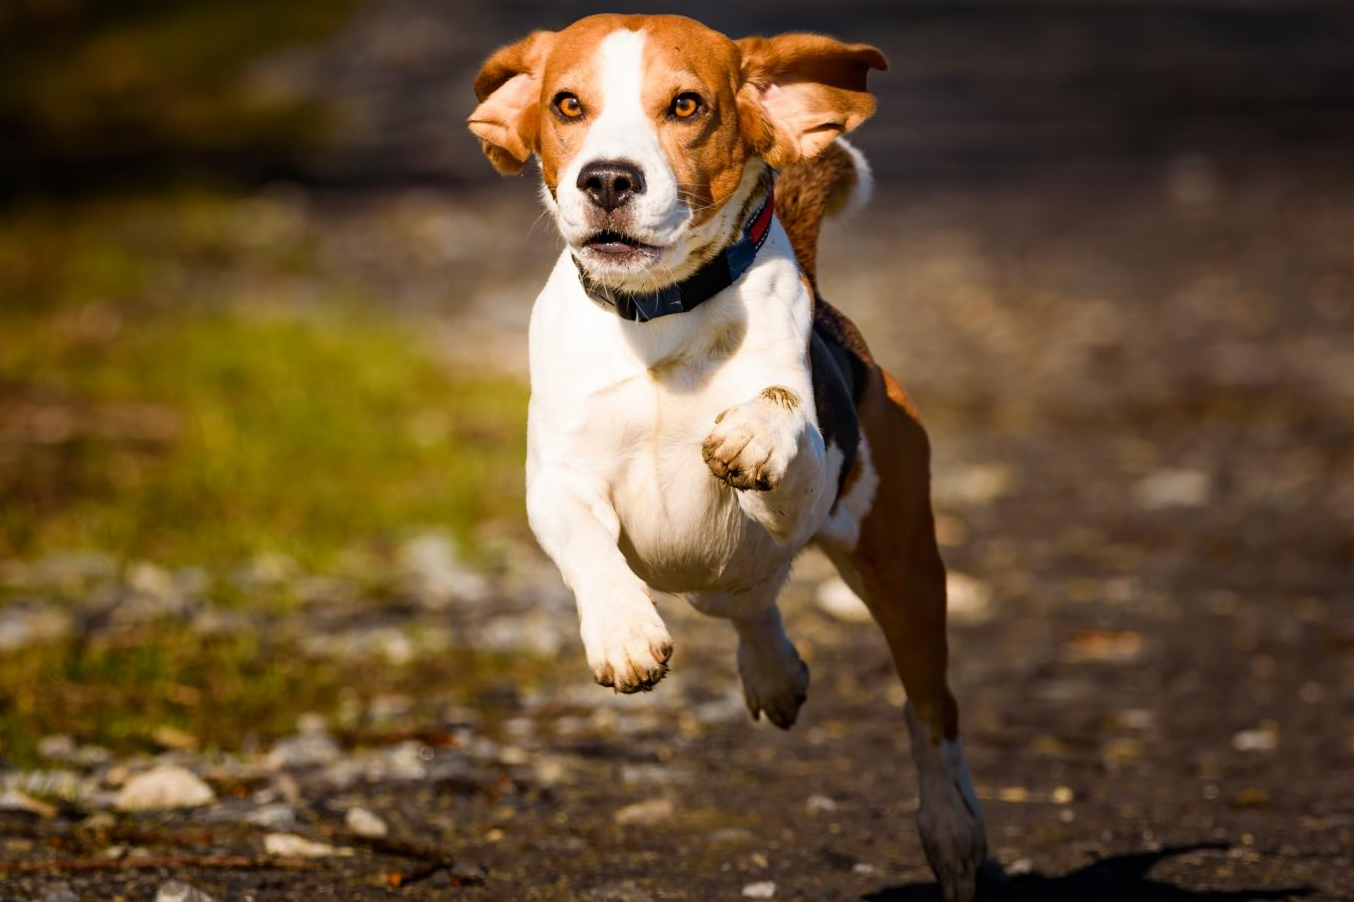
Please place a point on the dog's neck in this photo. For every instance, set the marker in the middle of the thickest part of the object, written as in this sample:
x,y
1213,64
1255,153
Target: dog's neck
x,y
725,268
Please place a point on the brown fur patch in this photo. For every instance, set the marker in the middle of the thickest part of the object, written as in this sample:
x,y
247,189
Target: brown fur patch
x,y
807,192
781,397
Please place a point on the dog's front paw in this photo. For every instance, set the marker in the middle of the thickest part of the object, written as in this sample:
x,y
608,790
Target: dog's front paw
x,y
628,647
775,680
752,444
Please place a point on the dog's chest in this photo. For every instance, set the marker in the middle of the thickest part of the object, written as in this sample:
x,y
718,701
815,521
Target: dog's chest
x,y
681,528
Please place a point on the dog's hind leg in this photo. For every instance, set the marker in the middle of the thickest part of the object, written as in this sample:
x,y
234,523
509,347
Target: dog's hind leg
x,y
884,544
775,678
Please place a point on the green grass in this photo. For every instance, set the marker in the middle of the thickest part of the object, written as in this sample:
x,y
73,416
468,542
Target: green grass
x,y
299,434
225,691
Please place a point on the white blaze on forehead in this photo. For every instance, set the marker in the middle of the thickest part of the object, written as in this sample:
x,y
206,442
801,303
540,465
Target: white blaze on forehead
x,y
622,70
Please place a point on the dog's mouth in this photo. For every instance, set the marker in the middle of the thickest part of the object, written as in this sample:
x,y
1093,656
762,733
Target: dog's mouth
x,y
616,247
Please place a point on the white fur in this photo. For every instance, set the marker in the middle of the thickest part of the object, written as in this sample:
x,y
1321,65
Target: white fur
x,y
863,188
841,531
949,819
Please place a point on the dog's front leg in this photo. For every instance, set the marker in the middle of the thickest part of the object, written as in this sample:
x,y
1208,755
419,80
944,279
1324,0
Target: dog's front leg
x,y
626,642
769,450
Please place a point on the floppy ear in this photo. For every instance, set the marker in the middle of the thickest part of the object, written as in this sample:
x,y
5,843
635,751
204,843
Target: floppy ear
x,y
800,91
509,91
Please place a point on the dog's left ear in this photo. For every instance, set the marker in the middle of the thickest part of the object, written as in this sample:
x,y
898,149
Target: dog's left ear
x,y
800,91
509,91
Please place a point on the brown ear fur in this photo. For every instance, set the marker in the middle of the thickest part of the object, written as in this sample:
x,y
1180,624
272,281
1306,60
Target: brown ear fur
x,y
509,91
800,91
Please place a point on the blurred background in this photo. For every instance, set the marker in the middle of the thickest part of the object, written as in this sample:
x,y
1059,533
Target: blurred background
x,y
262,410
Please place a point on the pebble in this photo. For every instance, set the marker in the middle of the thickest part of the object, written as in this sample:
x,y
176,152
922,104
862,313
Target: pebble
x,y
178,891
23,626
1265,738
14,800
276,816
365,823
645,812
291,845
162,788
307,749
1174,488
434,576
762,889
817,804
59,893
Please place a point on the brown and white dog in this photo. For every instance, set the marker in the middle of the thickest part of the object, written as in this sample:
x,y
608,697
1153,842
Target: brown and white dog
x,y
698,412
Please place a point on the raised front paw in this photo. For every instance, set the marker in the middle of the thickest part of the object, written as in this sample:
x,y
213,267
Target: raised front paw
x,y
752,444
628,647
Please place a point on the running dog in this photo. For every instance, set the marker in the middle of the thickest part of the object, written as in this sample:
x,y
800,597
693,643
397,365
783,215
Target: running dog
x,y
698,412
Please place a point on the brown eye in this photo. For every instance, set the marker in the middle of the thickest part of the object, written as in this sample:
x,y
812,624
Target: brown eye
x,y
568,106
684,106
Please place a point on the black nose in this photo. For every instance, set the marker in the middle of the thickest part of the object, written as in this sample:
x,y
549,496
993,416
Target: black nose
x,y
610,183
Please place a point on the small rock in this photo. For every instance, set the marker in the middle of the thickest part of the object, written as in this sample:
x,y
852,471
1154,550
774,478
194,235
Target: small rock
x,y
730,836
291,845
14,800
23,626
433,574
530,631
276,816
1020,866
178,891
164,787
57,748
365,823
762,889
1264,738
1174,488
314,748
820,805
836,599
624,891
651,774
62,892
645,812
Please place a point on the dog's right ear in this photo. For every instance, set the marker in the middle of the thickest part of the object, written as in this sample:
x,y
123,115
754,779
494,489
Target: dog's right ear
x,y
509,91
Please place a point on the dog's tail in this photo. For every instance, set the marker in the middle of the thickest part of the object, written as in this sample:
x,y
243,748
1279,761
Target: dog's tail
x,y
835,182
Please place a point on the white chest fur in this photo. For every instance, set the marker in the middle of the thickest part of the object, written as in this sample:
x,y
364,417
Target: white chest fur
x,y
622,408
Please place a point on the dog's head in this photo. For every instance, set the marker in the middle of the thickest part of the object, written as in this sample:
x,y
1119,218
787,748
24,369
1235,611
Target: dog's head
x,y
646,127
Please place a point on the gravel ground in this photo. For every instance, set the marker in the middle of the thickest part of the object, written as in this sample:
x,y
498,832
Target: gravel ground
x,y
1140,399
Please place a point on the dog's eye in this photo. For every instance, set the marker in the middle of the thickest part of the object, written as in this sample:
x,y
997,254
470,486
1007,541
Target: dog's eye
x,y
568,106
684,106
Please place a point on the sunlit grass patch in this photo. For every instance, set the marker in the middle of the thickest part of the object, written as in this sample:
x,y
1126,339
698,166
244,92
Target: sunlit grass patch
x,y
205,439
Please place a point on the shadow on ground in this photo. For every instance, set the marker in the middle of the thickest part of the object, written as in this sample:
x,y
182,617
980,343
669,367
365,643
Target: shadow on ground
x,y
1120,878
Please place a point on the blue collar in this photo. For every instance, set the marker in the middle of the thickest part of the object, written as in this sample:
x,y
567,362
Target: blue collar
x,y
726,268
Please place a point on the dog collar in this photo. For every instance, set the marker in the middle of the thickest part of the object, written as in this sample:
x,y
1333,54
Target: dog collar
x,y
712,278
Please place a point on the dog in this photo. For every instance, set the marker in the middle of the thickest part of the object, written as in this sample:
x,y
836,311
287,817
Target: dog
x,y
698,412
